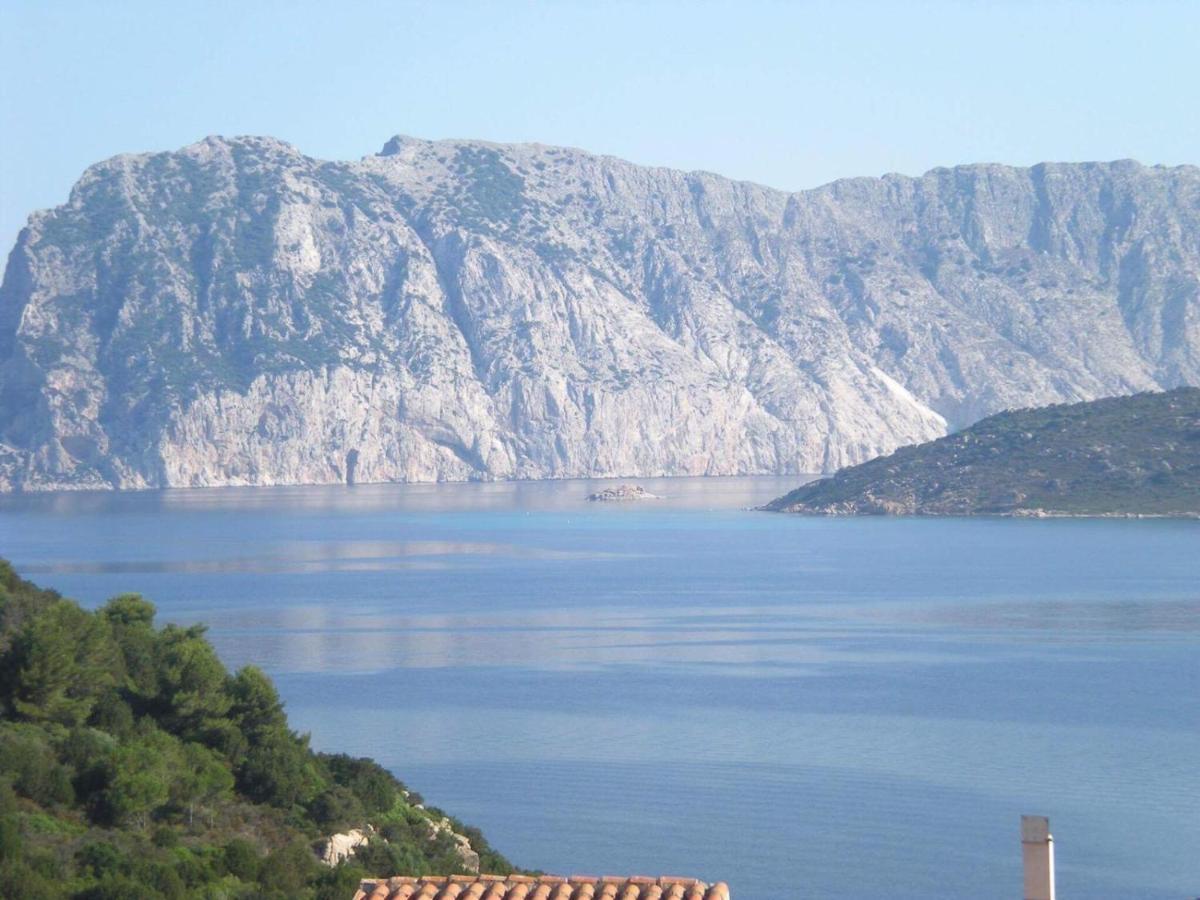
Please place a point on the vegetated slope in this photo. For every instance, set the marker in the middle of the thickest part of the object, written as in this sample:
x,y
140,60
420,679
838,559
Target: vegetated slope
x,y
1136,455
239,313
133,765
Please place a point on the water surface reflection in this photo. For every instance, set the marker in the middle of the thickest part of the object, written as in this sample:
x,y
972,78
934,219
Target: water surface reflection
x,y
774,696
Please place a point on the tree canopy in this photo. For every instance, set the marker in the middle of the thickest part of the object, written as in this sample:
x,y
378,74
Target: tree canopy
x,y
133,764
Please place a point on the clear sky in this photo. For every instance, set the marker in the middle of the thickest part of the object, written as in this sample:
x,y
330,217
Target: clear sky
x,y
787,94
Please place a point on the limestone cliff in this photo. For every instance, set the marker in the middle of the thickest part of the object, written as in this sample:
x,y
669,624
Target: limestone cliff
x,y
239,313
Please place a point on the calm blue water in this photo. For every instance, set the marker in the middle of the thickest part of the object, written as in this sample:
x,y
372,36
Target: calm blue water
x,y
801,707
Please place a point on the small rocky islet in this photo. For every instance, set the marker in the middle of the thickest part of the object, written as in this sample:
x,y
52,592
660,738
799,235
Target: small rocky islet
x,y
624,493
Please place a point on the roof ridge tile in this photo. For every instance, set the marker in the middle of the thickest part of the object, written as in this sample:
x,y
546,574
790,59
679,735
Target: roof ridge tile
x,y
539,887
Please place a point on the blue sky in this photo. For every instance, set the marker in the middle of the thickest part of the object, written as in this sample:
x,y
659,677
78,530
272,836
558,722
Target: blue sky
x,y
787,94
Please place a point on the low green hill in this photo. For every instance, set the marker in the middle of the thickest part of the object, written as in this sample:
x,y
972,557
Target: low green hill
x,y
1136,455
134,766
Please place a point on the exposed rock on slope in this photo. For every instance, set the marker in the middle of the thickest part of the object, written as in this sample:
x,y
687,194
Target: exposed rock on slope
x,y
1120,456
339,847
238,313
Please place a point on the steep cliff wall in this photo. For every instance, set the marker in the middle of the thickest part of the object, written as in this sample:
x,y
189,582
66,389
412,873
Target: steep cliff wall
x,y
239,313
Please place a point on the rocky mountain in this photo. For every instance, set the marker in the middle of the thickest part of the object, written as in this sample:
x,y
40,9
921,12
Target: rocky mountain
x,y
239,313
1136,455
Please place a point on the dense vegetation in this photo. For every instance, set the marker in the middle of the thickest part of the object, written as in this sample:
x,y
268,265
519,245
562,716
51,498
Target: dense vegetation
x,y
134,765
1136,455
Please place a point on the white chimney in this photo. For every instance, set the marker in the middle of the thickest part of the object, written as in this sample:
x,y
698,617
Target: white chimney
x,y
1037,855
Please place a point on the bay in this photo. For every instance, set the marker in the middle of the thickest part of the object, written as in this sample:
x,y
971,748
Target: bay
x,y
800,707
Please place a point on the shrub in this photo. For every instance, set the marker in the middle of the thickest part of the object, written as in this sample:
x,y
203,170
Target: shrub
x,y
59,663
335,808
339,882
88,753
112,714
289,869
118,887
376,788
30,762
100,859
241,859
394,859
20,881
162,878
10,826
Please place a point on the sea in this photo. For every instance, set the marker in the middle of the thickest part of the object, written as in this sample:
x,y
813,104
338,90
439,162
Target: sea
x,y
800,707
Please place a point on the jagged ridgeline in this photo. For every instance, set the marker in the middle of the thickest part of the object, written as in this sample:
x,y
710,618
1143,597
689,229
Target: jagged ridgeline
x,y
133,765
239,313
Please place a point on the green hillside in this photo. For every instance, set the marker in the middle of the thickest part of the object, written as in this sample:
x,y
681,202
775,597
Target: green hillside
x,y
1136,455
134,766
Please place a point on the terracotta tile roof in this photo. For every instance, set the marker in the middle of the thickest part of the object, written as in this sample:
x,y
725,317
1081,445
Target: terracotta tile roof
x,y
544,887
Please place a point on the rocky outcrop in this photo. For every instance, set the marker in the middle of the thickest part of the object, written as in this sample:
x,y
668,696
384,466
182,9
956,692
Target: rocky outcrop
x,y
622,494
239,313
467,856
339,847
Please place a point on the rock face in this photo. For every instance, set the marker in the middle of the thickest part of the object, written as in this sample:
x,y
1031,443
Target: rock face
x,y
239,313
468,858
339,847
1121,456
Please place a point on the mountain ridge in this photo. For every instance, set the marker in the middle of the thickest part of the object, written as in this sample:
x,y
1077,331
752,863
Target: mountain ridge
x,y
402,138
236,312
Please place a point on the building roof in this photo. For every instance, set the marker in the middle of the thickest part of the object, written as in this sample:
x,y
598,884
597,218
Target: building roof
x,y
544,887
